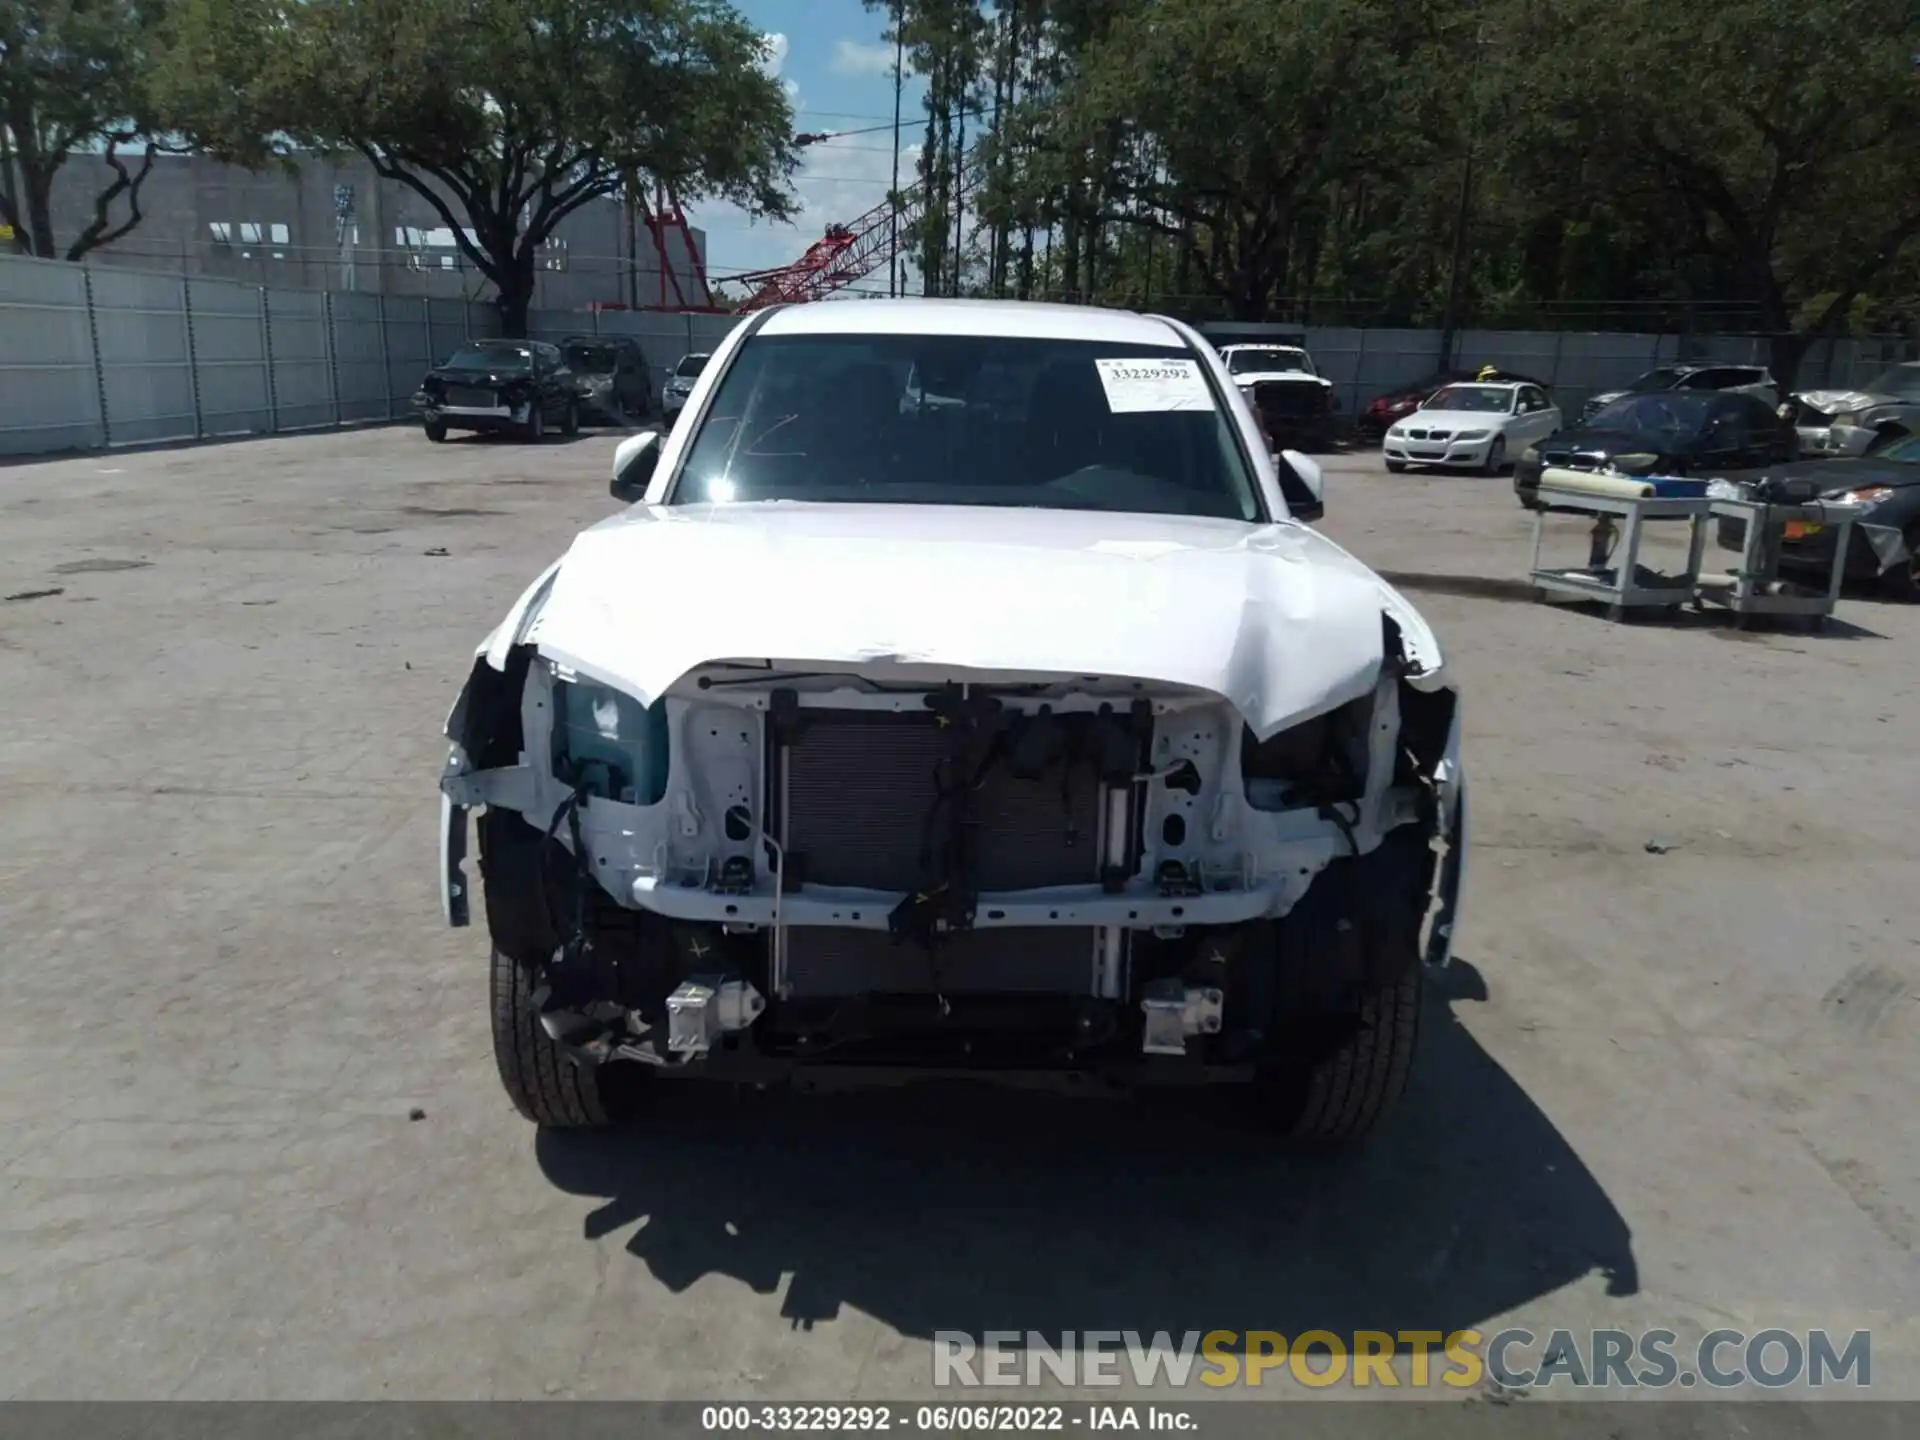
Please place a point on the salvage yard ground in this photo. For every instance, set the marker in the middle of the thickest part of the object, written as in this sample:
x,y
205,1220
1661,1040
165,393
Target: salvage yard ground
x,y
252,1143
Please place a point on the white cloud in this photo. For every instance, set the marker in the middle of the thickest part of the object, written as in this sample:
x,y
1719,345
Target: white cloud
x,y
862,57
773,59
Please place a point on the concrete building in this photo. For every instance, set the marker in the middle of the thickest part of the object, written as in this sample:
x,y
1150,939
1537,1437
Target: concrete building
x,y
335,225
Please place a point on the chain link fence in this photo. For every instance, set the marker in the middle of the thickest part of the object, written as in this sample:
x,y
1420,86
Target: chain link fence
x,y
92,357
98,356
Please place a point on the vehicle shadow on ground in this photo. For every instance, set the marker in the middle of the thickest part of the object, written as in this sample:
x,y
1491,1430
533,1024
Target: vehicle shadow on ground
x,y
552,437
975,1210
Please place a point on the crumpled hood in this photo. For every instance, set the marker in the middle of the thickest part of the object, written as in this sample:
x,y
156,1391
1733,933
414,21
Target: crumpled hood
x,y
1276,619
1839,402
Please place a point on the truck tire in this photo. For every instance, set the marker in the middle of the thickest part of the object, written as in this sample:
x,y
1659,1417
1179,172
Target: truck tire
x,y
1346,1096
544,1085
1347,989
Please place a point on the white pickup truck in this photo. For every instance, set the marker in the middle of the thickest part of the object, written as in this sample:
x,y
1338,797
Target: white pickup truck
x,y
1294,401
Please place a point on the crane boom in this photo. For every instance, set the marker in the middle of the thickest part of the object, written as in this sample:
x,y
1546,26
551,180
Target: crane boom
x,y
846,253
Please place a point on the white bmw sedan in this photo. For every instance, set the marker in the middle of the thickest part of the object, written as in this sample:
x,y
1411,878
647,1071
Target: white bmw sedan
x,y
1482,426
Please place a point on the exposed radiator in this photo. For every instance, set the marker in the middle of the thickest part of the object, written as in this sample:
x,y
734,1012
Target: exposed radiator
x,y
857,790
1282,400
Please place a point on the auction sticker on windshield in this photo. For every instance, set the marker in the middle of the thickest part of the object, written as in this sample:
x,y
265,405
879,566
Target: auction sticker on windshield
x,y
1136,385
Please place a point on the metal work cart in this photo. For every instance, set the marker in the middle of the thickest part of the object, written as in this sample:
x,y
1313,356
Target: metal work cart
x,y
1755,588
1623,586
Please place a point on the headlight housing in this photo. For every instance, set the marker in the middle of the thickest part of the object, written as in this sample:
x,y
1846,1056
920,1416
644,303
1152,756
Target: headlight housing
x,y
1636,464
1530,454
1473,435
1865,495
608,744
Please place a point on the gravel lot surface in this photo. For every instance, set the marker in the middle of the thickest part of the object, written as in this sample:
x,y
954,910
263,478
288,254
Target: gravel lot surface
x,y
1658,1089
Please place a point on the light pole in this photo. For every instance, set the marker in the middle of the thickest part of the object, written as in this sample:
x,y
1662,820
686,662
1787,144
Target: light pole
x,y
1450,318
893,195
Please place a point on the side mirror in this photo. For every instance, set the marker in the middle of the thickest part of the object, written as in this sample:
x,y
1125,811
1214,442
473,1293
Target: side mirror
x,y
1303,484
634,461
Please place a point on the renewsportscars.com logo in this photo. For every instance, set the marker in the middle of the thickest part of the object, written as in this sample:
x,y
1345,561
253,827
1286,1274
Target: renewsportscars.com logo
x,y
1514,1359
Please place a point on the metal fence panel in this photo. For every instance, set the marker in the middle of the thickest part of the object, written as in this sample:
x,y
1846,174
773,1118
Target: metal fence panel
x,y
554,326
299,344
144,357
359,357
410,348
707,331
447,330
483,320
1590,362
49,392
97,356
230,357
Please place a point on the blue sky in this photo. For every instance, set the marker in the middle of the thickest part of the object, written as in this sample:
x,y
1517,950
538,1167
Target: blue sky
x,y
839,75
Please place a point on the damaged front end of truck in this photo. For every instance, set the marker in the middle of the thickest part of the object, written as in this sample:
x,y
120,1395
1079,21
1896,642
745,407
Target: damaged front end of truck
x,y
861,870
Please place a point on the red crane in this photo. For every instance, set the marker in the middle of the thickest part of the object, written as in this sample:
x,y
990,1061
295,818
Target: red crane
x,y
664,218
847,252
844,254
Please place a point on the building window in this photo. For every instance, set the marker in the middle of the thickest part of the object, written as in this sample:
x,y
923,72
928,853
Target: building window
x,y
222,232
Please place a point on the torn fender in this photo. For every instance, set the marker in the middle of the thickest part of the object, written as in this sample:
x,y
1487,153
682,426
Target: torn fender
x,y
1450,793
1275,619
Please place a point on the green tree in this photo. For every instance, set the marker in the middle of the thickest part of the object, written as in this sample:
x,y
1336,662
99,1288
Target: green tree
x,y
1221,124
1772,146
74,97
507,116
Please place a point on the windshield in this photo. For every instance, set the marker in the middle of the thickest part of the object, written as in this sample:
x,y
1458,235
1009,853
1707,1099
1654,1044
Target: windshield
x,y
1901,380
1243,362
593,359
1903,452
690,365
1489,399
1676,413
491,357
1051,424
1661,379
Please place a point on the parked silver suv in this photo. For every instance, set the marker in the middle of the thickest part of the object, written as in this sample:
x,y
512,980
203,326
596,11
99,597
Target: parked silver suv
x,y
1739,379
673,397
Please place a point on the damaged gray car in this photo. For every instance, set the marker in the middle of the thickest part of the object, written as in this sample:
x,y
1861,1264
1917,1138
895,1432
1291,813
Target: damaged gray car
x,y
1027,737
1859,422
